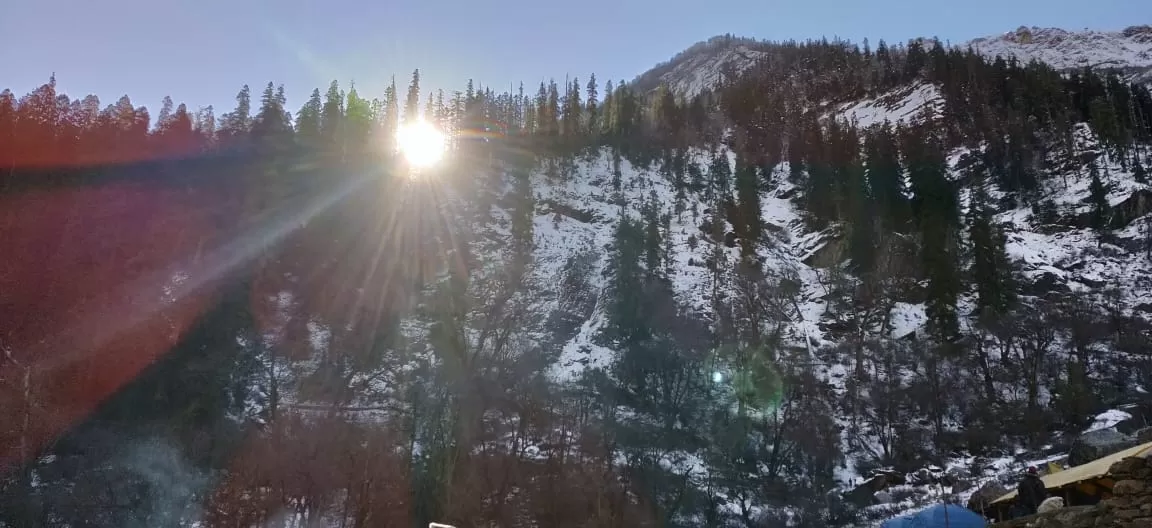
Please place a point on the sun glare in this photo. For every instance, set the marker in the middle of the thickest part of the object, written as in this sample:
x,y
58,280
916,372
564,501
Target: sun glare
x,y
420,143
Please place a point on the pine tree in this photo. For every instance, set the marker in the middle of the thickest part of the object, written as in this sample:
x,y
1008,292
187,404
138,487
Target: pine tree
x,y
795,154
886,176
1105,122
165,115
531,121
141,124
37,116
1098,198
626,308
665,114
934,203
653,239
1139,173
553,109
391,118
544,124
269,127
991,269
205,126
441,112
607,109
819,191
573,109
1020,175
285,115
237,123
332,118
358,121
182,136
592,106
861,212
750,224
720,176
412,102
308,121
523,213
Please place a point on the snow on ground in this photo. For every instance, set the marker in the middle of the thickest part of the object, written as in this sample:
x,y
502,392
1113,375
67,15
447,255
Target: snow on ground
x,y
580,212
899,105
1081,257
1107,420
906,318
582,352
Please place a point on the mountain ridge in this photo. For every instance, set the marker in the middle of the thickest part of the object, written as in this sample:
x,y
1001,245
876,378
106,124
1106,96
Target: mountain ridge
x,y
701,66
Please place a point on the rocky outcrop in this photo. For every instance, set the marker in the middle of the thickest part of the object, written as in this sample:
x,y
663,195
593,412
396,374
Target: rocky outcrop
x,y
981,500
1129,507
1133,207
1131,502
1097,444
865,493
1074,517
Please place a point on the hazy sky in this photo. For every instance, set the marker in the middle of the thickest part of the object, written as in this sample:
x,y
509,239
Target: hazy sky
x,y
201,51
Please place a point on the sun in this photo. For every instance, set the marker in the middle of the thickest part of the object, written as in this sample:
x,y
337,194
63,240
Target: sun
x,y
420,143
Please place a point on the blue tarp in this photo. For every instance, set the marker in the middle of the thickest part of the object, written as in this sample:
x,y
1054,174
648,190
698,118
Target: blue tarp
x,y
939,516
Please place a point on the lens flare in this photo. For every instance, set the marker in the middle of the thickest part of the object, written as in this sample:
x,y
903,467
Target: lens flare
x,y
420,143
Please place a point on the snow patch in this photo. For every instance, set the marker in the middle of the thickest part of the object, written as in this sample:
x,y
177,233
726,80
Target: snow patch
x,y
1107,420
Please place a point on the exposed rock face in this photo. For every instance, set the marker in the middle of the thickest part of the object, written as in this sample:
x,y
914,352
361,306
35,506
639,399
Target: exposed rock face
x,y
1131,503
1096,444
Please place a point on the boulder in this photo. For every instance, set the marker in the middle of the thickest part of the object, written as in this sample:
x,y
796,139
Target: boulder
x,y
1071,517
1128,488
984,496
960,485
1050,504
865,493
958,472
1093,445
1144,435
1044,283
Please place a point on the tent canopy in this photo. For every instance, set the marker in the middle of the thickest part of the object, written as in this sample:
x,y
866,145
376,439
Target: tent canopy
x,y
1090,471
939,516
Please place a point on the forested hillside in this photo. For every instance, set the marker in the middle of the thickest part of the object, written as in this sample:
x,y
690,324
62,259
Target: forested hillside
x,y
720,301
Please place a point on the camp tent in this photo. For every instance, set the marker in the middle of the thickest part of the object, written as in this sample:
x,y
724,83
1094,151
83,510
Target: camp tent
x,y
939,516
1090,479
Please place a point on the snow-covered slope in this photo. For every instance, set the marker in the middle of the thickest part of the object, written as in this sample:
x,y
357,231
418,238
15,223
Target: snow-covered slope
x,y
578,212
1078,259
901,105
702,66
1128,50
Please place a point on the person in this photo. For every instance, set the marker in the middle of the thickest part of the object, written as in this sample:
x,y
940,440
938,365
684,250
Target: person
x,y
1031,492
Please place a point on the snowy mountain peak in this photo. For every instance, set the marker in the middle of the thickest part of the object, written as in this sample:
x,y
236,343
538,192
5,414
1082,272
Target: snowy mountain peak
x,y
1128,50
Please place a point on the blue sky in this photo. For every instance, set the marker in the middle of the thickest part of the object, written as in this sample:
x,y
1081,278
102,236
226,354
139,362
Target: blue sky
x,y
201,51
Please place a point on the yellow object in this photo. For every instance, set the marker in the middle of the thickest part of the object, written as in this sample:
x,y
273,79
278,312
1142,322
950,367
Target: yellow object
x,y
1054,468
1090,471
